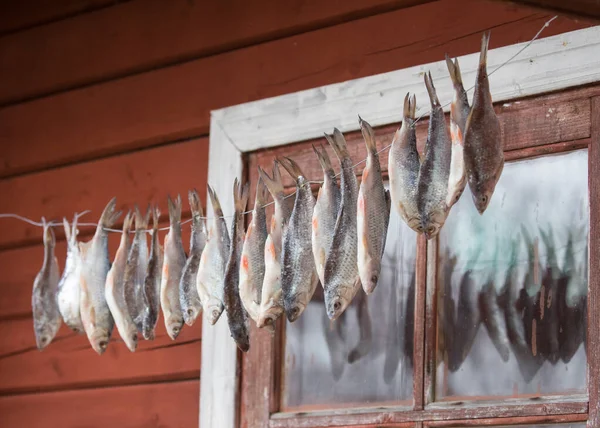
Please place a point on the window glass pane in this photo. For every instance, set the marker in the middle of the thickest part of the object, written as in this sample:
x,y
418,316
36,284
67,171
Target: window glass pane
x,y
365,357
567,425
513,284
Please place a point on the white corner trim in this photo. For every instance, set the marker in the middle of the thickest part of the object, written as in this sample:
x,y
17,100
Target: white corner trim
x,y
549,64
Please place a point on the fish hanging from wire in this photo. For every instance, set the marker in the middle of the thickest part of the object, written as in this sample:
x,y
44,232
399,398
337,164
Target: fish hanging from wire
x,y
69,284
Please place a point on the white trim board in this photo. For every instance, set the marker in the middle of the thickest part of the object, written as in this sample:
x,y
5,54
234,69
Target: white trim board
x,y
549,64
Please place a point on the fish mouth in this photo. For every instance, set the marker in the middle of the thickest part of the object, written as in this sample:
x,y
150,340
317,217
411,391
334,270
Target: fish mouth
x,y
335,309
293,313
190,316
100,346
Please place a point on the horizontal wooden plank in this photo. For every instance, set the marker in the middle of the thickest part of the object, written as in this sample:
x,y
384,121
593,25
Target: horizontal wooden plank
x,y
530,122
584,9
70,362
22,14
21,265
175,102
136,36
171,404
141,177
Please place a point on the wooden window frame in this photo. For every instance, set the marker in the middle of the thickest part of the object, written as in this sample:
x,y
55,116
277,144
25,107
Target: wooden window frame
x,y
238,391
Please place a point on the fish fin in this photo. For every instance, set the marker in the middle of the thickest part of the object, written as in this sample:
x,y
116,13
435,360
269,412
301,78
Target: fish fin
x,y
174,209
67,229
413,107
109,215
485,41
240,196
407,106
127,222
262,193
195,203
214,199
435,102
141,222
338,143
368,135
155,218
275,184
454,71
323,159
291,167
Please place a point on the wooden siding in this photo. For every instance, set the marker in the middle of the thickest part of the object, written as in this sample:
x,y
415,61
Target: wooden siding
x,y
112,98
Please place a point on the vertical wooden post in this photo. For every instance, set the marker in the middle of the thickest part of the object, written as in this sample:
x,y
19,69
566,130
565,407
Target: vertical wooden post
x,y
431,321
419,324
593,338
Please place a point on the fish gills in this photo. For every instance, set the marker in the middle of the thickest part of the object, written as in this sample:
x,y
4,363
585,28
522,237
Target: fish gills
x,y
68,286
188,293
152,281
46,315
403,167
325,213
373,214
213,260
341,267
173,264
135,270
236,315
271,303
95,313
115,290
432,187
459,111
298,274
484,157
252,264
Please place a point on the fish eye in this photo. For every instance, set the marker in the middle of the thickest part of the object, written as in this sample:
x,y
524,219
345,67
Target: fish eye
x,y
484,199
190,312
269,321
103,344
43,340
337,305
430,230
456,198
175,330
295,311
374,278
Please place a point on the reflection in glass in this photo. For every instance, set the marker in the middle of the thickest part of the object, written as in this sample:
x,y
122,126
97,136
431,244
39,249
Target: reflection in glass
x,y
513,285
365,357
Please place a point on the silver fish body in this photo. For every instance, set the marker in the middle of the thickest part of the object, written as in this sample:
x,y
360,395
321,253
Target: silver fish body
x,y
135,270
403,168
298,274
373,215
173,264
483,153
432,187
46,315
115,290
341,267
152,281
459,111
69,284
209,281
95,313
324,214
236,314
188,292
252,264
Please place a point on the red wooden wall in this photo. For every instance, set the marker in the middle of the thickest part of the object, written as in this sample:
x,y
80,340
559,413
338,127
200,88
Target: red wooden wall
x,y
102,98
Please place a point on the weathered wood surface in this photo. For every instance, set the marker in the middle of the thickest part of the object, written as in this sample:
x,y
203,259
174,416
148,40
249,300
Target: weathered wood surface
x,y
377,417
593,333
420,325
168,404
174,102
139,177
584,9
70,362
556,419
133,37
527,123
23,14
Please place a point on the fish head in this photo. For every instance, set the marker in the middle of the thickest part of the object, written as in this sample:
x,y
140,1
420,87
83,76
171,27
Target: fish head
x,y
148,333
337,299
174,325
295,305
371,277
190,314
432,222
269,315
132,340
482,188
99,340
213,311
44,333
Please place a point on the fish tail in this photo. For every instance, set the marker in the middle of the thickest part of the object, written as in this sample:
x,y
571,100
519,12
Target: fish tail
x,y
485,41
291,167
454,70
368,135
435,102
195,204
141,222
155,218
262,193
214,199
406,111
174,209
127,223
67,229
240,196
413,107
49,238
275,184
324,160
109,215
338,143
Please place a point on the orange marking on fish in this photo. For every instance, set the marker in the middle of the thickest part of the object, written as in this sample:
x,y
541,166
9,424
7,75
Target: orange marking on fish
x,y
249,231
245,263
361,204
273,223
315,223
364,240
272,249
165,269
365,173
459,136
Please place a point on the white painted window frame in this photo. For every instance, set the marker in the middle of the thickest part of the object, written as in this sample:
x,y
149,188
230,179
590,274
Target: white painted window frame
x,y
550,64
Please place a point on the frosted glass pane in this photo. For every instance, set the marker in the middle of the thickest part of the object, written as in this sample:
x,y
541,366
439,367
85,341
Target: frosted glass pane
x,y
513,285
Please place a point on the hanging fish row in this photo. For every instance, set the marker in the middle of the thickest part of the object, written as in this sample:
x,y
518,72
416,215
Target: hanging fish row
x,y
337,239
